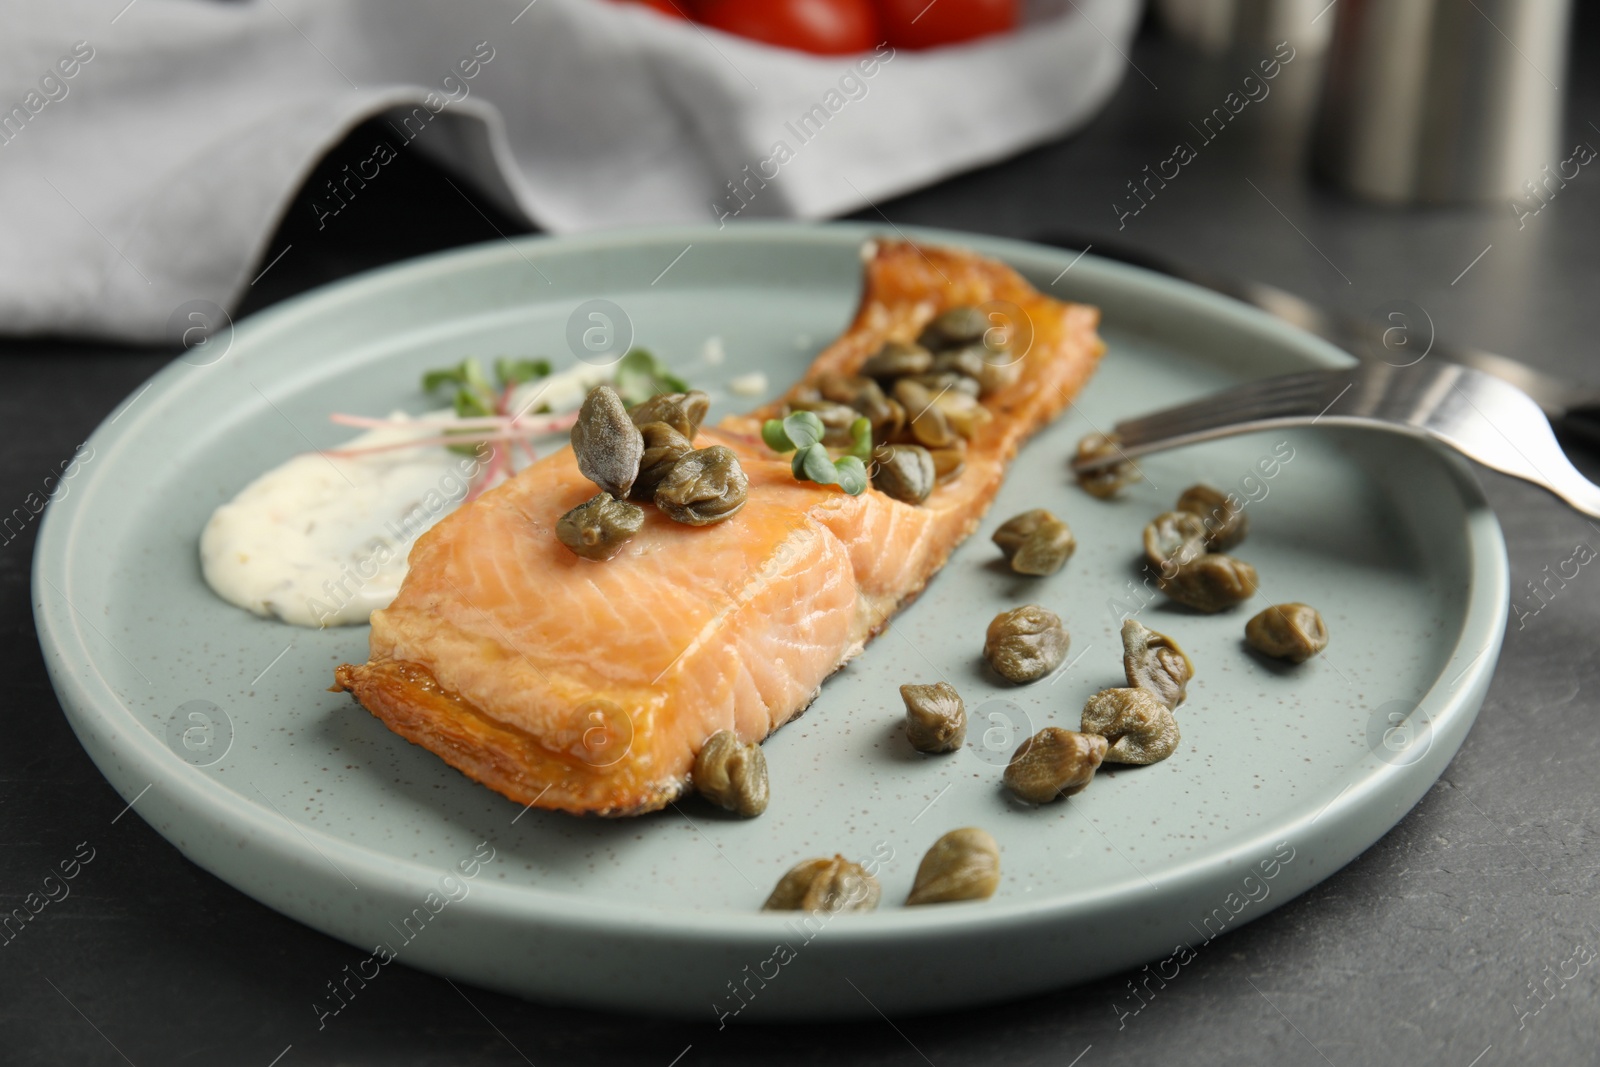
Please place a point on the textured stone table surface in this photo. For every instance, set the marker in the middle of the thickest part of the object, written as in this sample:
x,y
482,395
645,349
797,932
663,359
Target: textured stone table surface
x,y
1429,948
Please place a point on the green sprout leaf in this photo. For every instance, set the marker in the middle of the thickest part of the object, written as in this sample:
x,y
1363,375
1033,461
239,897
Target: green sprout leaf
x,y
803,428
772,433
852,475
799,430
813,464
861,440
474,396
516,371
640,376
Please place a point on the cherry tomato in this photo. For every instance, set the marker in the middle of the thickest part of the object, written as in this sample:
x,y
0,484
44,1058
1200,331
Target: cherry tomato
x,y
679,10
918,24
826,27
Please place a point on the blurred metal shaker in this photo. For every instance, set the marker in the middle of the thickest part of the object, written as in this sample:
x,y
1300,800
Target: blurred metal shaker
x,y
1442,101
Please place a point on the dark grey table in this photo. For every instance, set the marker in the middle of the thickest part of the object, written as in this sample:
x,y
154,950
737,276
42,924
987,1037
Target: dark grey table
x,y
1446,943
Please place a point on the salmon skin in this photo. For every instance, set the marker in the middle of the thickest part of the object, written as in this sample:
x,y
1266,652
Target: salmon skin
x,y
590,687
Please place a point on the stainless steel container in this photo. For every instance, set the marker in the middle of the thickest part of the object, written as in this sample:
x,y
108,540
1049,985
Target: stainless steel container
x,y
1443,101
1221,26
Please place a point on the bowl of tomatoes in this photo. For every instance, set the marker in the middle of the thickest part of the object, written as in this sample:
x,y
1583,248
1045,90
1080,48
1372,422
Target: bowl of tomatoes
x,y
842,27
730,110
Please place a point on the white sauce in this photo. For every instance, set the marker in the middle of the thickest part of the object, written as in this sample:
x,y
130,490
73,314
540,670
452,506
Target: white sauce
x,y
322,540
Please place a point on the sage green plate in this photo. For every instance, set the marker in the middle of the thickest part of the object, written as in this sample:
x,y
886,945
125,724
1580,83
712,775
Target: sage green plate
x,y
220,726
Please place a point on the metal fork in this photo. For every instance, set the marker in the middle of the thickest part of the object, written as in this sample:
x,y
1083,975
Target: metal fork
x,y
1480,416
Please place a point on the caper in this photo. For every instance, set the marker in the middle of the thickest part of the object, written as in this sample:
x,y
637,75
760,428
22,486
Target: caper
x,y
1213,582
839,388
1035,542
967,362
947,382
936,718
861,394
999,370
927,422
1105,481
962,865
988,371
663,447
897,360
1225,521
1154,662
888,423
684,412
597,528
965,415
803,393
732,774
1294,632
606,442
1173,539
826,885
1054,763
1015,531
704,486
904,472
962,325
948,463
1137,725
1026,643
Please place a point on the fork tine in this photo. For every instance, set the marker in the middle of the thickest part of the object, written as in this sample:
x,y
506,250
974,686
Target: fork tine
x,y
1287,396
1480,416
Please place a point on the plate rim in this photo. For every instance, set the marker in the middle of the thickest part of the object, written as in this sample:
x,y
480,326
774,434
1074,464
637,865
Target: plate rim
x,y
91,704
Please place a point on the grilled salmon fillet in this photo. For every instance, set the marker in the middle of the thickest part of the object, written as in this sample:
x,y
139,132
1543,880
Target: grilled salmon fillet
x,y
590,687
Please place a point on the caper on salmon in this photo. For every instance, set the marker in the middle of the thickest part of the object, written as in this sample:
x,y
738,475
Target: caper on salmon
x,y
1026,643
953,328
1035,542
967,362
1225,521
1054,763
825,885
1213,582
663,447
1154,662
1294,632
963,412
964,864
936,717
999,370
897,359
684,412
947,382
862,395
1108,480
598,528
732,774
607,442
926,421
704,486
1137,726
948,463
904,472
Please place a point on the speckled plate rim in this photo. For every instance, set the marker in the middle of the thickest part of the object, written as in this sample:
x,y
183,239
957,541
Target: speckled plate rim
x,y
1362,813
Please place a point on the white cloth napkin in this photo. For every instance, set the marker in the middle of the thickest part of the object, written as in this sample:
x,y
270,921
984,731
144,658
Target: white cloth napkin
x,y
148,148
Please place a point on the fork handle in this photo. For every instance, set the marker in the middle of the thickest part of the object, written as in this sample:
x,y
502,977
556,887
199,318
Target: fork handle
x,y
1581,420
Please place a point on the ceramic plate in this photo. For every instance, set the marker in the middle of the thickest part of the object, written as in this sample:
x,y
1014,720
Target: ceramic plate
x,y
220,725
